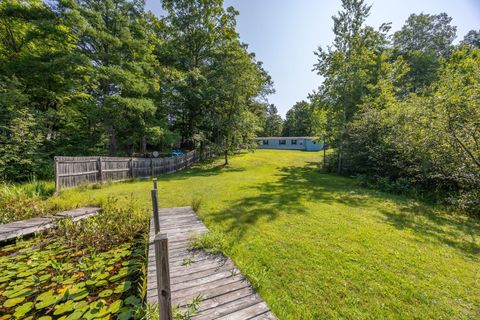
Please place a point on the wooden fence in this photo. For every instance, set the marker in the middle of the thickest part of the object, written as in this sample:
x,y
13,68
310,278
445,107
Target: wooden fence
x,y
74,171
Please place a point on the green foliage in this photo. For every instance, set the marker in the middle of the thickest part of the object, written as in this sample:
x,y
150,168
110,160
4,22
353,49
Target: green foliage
x,y
42,278
424,41
107,78
303,119
24,201
403,115
272,122
114,225
20,138
425,145
472,38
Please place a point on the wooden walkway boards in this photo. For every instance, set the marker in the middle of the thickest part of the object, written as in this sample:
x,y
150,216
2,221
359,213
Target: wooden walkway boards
x,y
225,293
25,227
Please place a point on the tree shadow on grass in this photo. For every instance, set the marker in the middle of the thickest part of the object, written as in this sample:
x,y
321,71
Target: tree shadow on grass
x,y
286,195
201,170
459,232
294,185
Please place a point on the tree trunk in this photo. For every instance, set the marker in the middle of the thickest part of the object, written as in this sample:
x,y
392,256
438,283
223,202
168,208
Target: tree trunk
x,y
112,142
226,157
143,146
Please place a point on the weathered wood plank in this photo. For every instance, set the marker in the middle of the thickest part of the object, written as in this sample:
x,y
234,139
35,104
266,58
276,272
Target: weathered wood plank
x,y
224,291
25,227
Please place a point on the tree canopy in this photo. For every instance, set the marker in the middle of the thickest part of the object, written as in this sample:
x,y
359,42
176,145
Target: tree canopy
x,y
403,113
94,77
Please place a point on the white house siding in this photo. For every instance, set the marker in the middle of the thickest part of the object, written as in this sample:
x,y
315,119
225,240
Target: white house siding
x,y
313,145
302,143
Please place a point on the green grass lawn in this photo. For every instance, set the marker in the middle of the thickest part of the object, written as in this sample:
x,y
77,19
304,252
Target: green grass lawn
x,y
317,246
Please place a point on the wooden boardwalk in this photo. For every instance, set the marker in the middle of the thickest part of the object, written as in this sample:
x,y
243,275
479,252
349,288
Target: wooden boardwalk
x,y
225,293
25,227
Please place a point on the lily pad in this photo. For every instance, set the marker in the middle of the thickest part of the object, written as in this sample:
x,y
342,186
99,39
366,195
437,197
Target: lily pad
x,y
64,308
47,299
75,315
25,292
80,296
22,310
13,302
101,283
122,287
115,306
105,293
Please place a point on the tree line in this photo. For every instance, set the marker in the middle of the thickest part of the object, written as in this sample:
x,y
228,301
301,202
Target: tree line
x,y
106,77
402,110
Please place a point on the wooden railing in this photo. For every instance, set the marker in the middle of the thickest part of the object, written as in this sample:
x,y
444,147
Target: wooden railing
x,y
74,171
162,265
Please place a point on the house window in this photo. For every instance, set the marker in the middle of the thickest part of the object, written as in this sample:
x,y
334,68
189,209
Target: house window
x,y
265,142
282,141
294,141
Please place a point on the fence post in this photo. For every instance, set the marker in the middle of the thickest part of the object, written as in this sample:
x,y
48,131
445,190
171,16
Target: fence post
x,y
155,185
57,175
131,168
163,277
151,167
156,220
100,173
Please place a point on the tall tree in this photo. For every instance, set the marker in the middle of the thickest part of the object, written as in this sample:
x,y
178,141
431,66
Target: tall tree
x,y
193,29
113,36
424,42
472,39
302,120
349,67
272,123
38,62
215,79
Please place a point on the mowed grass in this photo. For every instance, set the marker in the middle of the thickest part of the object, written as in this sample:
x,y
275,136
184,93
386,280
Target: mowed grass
x,y
317,246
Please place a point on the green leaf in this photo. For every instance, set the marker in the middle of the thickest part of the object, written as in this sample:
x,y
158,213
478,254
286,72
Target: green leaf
x,y
132,301
115,306
22,310
64,308
105,293
125,315
47,300
122,287
13,302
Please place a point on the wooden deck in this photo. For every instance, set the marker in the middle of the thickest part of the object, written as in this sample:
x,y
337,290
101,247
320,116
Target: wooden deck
x,y
225,293
25,227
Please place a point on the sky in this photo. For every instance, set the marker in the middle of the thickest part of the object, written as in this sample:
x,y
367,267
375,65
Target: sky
x,y
285,33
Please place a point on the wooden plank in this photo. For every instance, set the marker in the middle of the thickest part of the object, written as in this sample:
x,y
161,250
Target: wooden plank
x,y
26,227
225,293
229,306
76,174
255,310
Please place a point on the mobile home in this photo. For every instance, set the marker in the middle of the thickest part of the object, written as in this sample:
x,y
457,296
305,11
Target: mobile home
x,y
290,143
